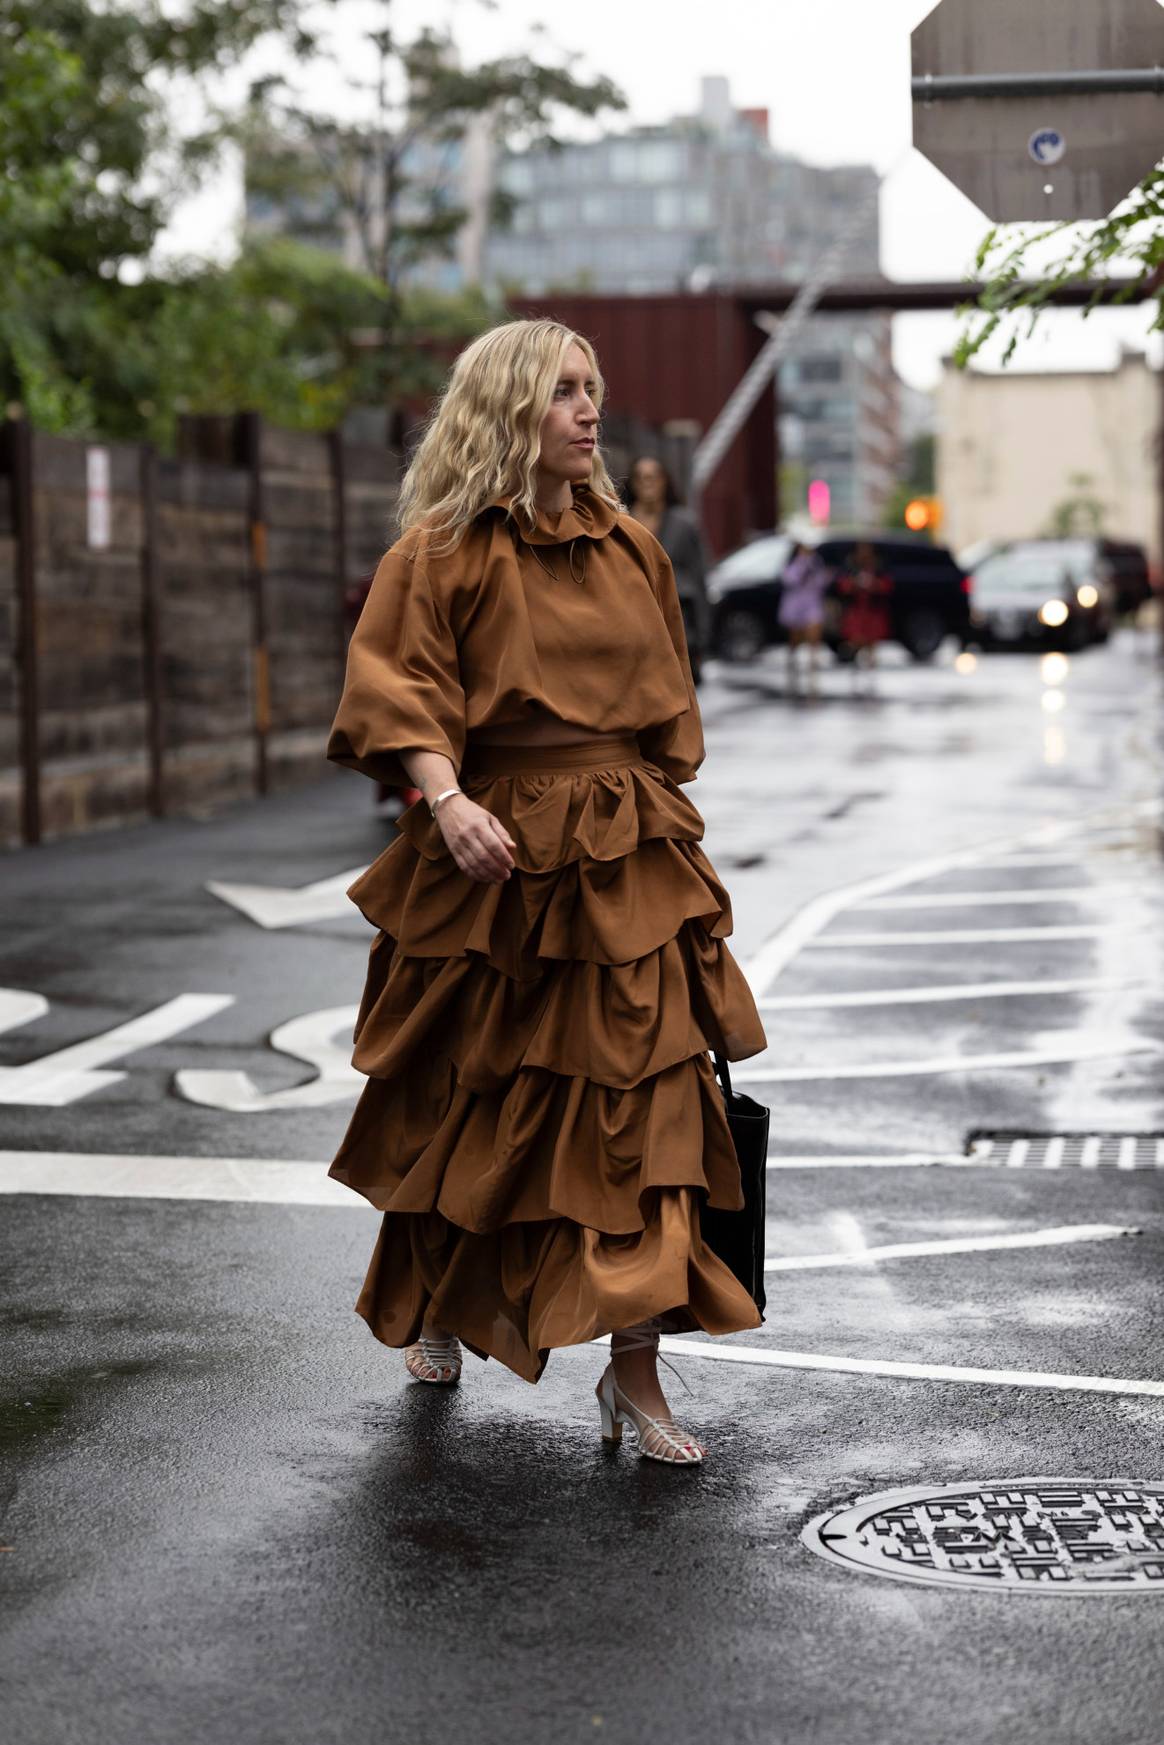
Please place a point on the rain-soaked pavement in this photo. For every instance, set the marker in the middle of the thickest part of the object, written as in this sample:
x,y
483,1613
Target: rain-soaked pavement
x,y
226,1516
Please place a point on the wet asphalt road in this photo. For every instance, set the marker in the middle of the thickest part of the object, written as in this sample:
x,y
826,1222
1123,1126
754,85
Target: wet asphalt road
x,y
226,1516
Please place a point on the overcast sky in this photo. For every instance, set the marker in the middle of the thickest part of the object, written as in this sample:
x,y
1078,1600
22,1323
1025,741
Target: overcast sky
x,y
834,76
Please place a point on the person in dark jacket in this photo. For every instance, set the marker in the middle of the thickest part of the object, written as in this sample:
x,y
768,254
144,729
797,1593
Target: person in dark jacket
x,y
652,499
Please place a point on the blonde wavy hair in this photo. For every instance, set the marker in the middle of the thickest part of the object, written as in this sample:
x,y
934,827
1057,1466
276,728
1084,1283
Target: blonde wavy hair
x,y
483,440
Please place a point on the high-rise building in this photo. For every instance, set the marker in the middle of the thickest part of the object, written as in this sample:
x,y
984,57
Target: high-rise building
x,y
702,202
454,173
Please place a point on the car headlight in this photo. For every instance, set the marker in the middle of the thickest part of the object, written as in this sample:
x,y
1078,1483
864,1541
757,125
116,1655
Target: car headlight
x,y
1087,596
1053,613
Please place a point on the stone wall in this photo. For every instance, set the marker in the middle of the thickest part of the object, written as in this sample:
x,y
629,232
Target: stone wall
x,y
196,658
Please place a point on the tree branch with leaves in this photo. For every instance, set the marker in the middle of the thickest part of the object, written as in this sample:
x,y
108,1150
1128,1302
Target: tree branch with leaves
x,y
1012,302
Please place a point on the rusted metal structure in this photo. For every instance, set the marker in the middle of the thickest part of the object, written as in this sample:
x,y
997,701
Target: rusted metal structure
x,y
675,357
678,357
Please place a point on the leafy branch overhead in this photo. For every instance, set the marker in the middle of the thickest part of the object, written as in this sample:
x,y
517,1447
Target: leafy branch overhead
x,y
387,182
1014,298
96,336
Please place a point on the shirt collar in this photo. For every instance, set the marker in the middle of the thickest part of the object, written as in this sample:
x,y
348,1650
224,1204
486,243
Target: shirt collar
x,y
588,516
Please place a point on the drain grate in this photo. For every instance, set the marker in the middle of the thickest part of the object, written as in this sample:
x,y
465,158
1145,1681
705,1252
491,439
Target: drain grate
x,y
1012,1148
1028,1535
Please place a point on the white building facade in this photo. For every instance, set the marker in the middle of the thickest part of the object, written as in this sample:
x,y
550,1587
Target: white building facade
x,y
1021,454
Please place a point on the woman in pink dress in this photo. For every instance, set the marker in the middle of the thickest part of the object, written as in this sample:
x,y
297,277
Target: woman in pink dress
x,y
801,610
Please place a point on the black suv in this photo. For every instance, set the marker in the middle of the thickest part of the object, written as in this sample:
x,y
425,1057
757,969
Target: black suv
x,y
930,600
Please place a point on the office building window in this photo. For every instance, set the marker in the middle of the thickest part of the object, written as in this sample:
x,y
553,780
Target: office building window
x,y
624,161
596,209
668,208
820,369
517,176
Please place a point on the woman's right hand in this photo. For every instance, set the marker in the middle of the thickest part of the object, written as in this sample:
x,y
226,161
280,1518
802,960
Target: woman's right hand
x,y
478,842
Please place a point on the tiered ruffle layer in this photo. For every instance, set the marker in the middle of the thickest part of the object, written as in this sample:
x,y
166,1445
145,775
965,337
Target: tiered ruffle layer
x,y
542,1119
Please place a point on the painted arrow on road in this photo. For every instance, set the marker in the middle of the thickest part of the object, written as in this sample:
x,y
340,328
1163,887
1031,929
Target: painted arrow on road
x,y
311,1039
55,1080
275,906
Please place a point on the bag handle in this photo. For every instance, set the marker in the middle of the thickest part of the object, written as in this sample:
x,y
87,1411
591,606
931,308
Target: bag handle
x,y
725,1077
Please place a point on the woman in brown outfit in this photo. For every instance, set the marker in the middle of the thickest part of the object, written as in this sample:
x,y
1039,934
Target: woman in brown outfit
x,y
541,1119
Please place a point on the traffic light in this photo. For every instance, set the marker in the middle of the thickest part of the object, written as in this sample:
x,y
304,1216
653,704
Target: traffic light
x,y
923,514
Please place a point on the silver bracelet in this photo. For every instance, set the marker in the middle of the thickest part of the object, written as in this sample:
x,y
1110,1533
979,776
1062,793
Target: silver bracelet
x,y
435,803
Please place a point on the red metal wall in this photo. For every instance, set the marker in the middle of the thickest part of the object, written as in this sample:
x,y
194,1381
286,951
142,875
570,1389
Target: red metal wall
x,y
680,356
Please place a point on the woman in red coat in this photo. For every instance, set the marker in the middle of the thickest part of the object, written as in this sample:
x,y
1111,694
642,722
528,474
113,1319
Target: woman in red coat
x,y
865,590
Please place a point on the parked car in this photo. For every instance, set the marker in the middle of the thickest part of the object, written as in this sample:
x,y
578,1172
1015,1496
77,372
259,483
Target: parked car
x,y
1127,565
1049,593
930,598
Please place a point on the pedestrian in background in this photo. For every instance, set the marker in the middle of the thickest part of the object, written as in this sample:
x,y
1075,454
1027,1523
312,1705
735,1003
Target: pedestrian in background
x,y
542,1121
654,501
804,584
864,590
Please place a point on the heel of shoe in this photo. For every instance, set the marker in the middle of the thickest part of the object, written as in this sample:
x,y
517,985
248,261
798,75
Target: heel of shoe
x,y
608,1410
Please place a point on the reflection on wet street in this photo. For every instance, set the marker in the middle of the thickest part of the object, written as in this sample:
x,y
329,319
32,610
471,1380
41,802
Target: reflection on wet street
x,y
947,894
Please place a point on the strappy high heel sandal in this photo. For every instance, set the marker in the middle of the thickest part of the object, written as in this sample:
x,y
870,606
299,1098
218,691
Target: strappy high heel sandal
x,y
657,1438
436,1361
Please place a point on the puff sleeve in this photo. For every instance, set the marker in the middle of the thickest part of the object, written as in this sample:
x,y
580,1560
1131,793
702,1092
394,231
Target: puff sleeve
x,y
402,688
676,745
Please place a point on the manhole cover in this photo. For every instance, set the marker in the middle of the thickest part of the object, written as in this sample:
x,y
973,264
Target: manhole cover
x,y
1031,1535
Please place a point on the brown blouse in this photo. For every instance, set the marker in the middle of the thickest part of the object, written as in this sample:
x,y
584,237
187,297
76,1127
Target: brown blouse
x,y
576,617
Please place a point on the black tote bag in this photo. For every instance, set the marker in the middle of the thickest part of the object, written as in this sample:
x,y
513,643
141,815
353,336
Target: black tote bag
x,y
738,1237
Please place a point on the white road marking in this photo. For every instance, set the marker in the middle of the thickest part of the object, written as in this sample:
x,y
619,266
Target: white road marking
x,y
792,936
275,906
997,899
1018,1154
1089,1156
1015,1378
311,1039
965,936
1056,1237
269,1181
1001,862
867,1160
18,1006
940,993
1127,1153
1085,1046
65,1076
981,1155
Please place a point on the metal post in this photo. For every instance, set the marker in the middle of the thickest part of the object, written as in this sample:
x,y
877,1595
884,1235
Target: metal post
x,y
941,87
251,442
777,452
151,631
20,441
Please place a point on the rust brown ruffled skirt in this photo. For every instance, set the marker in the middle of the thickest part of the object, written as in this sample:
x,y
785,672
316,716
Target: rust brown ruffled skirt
x,y
542,1119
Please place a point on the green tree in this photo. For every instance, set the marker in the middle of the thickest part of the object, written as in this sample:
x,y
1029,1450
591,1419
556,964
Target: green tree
x,y
385,180
90,166
93,337
286,330
916,481
1012,301
1080,514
